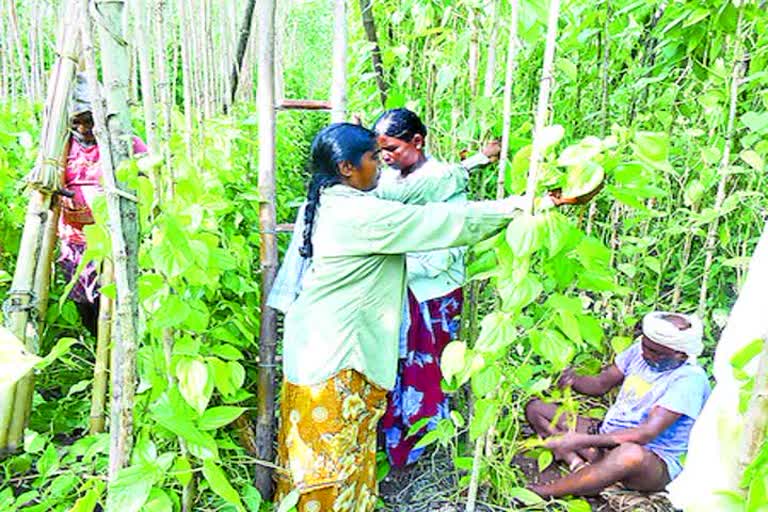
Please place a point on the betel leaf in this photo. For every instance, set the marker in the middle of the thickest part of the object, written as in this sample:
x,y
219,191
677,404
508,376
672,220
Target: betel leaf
x,y
553,347
652,146
289,501
527,497
182,470
486,381
581,153
158,501
583,179
515,295
131,488
497,330
195,383
173,311
484,417
219,483
549,136
219,416
453,359
524,235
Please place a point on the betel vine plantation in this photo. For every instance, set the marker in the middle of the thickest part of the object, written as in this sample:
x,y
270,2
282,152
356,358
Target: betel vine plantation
x,y
378,255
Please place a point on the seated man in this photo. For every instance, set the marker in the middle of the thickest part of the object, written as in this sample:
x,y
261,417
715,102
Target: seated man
x,y
644,433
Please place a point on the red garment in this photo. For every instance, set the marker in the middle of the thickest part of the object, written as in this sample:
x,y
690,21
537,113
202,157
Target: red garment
x,y
83,177
417,393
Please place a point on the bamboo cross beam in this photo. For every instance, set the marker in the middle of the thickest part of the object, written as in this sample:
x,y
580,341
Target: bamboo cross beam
x,y
287,104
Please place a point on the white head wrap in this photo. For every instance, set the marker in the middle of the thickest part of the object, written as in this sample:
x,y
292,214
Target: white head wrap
x,y
664,332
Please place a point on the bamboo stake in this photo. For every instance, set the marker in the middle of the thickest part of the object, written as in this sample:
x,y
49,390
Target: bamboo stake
x,y
369,24
268,242
514,46
145,68
113,134
44,179
740,59
186,77
14,25
101,366
543,104
474,51
339,69
164,89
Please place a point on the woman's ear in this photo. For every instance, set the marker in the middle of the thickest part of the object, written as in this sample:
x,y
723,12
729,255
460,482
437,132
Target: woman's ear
x,y
346,168
418,141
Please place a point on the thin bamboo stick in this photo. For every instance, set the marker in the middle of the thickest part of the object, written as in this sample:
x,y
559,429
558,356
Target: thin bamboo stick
x,y
369,24
514,46
543,104
739,65
490,59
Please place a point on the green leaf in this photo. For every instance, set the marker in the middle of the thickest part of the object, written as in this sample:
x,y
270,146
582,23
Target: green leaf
x,y
228,376
549,136
173,311
569,325
591,331
62,347
753,159
497,330
544,460
289,502
158,501
578,505
131,488
219,416
553,347
48,462
194,383
486,381
453,359
561,232
252,498
621,343
583,179
527,497
652,147
524,235
483,418
746,354
226,351
516,295
86,503
173,413
182,470
219,483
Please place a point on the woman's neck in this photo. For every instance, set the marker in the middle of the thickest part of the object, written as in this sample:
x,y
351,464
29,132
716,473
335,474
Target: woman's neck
x,y
405,172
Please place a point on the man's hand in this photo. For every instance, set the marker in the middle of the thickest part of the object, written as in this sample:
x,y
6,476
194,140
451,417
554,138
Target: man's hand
x,y
567,378
569,442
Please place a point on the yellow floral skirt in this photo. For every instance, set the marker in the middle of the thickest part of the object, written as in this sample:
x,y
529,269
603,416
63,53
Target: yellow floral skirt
x,y
327,443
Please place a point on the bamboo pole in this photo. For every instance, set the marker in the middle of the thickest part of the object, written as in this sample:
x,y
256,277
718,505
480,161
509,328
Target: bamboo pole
x,y
101,366
543,104
513,48
738,69
474,51
23,304
339,69
113,133
186,76
490,62
242,45
369,24
268,243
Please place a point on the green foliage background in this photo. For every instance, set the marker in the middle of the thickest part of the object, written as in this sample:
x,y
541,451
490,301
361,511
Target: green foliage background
x,y
641,90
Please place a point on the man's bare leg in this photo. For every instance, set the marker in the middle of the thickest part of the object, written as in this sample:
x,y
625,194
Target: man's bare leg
x,y
631,464
540,415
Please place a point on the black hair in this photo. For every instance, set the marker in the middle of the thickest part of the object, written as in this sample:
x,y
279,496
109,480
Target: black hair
x,y
399,123
334,144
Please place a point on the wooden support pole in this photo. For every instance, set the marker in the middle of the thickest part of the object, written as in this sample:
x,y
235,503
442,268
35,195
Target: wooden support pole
x,y
339,59
265,99
101,366
369,24
512,49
